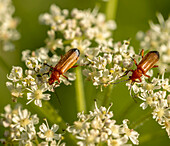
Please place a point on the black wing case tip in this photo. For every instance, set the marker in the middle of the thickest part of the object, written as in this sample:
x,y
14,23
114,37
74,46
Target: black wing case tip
x,y
77,51
156,52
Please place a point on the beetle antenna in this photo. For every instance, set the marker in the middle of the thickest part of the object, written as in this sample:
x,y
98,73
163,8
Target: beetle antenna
x,y
57,96
133,96
120,81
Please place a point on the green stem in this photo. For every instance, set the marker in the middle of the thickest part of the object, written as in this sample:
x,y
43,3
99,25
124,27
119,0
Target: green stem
x,y
36,141
51,114
107,95
111,8
128,109
141,121
81,103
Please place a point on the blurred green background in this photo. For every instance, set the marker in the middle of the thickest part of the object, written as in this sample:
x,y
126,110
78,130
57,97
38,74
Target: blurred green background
x,y
131,16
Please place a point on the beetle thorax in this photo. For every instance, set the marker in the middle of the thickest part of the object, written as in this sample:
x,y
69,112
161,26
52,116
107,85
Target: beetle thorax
x,y
54,76
136,74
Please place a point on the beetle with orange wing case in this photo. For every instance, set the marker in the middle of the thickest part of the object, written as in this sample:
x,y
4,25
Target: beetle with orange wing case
x,y
147,62
65,63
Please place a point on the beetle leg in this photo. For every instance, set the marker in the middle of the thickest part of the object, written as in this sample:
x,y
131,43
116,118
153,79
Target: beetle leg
x,y
142,53
58,81
126,72
140,79
51,68
146,75
134,61
48,65
155,66
74,66
65,76
47,73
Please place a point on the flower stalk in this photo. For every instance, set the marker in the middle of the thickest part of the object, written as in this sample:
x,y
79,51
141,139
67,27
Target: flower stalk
x,y
141,120
79,87
111,8
51,114
107,95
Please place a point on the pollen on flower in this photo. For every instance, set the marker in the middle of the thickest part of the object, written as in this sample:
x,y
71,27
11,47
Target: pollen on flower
x,y
49,133
38,94
160,113
149,86
25,122
149,100
78,124
21,125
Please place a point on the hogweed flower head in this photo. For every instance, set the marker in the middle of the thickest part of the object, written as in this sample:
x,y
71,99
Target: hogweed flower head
x,y
110,63
99,127
154,94
21,128
82,29
8,24
20,124
158,38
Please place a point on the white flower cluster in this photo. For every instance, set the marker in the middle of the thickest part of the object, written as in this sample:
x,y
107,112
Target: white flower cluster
x,y
81,29
98,127
20,128
109,64
155,94
35,80
158,38
8,24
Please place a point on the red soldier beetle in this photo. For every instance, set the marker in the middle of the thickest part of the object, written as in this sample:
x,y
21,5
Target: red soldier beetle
x,y
148,61
65,63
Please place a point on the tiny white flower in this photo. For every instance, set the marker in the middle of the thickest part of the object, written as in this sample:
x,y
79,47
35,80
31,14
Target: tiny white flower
x,y
16,90
37,95
130,133
49,134
31,63
16,74
22,120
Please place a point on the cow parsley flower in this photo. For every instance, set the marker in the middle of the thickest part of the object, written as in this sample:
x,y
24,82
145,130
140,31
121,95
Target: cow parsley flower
x,y
154,94
109,65
22,129
20,124
37,95
8,24
98,127
49,134
158,38
82,29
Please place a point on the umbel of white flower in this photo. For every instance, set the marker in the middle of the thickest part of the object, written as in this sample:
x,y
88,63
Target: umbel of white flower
x,y
158,38
8,24
21,128
99,127
156,95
